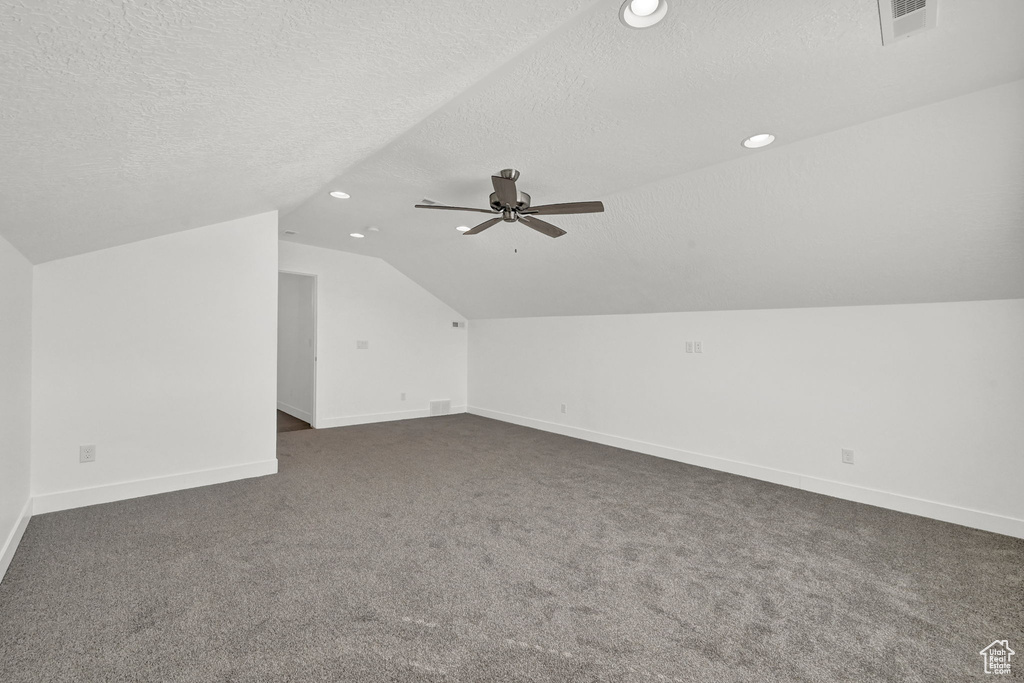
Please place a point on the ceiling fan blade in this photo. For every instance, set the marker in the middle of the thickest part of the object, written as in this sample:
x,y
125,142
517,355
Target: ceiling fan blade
x,y
483,226
570,207
506,190
542,226
453,208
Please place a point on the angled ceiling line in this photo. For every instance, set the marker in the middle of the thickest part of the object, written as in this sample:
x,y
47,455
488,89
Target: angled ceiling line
x,y
463,95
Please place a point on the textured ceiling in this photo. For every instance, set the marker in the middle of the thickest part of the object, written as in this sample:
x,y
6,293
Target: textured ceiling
x,y
125,120
896,176
894,210
835,213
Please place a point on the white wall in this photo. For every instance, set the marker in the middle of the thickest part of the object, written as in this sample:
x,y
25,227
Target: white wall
x,y
413,347
15,398
162,353
295,337
929,396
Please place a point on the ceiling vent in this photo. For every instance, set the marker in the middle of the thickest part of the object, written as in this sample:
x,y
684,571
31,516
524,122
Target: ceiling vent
x,y
904,18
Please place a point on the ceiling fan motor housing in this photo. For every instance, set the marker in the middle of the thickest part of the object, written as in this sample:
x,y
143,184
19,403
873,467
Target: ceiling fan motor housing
x,y
522,201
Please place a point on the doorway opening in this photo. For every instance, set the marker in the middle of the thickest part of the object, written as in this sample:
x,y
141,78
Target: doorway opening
x,y
296,351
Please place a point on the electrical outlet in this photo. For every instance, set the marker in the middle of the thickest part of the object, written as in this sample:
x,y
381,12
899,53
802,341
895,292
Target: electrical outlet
x,y
563,409
848,456
689,347
698,347
87,453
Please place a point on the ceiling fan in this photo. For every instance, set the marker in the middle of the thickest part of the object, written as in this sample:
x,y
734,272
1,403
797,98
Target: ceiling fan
x,y
511,205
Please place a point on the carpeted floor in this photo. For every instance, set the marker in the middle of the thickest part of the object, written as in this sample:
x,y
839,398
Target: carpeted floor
x,y
464,549
289,423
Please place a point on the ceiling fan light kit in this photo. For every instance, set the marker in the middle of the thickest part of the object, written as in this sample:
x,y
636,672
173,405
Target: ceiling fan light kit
x,y
510,205
642,13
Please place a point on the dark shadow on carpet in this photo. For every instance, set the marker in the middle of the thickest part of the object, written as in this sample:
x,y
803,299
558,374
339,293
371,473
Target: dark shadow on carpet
x,y
289,423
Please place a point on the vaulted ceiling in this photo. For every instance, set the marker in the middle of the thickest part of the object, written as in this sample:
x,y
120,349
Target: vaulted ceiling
x,y
896,175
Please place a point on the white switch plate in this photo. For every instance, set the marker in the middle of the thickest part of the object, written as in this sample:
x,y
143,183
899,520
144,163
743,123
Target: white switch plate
x,y
360,344
848,456
563,408
689,347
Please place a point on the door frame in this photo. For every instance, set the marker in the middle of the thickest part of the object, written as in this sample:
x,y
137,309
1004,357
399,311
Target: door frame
x,y
316,355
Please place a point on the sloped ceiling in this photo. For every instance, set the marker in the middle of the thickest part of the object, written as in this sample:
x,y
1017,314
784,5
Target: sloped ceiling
x,y
896,177
126,119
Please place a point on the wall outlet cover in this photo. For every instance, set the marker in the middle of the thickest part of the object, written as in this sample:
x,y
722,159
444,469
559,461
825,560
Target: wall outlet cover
x,y
848,456
87,453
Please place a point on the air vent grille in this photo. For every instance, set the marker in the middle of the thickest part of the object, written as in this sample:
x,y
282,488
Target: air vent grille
x,y
904,18
902,7
440,407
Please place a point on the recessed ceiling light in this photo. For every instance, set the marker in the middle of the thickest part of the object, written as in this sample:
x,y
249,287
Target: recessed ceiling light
x,y
463,228
374,228
642,13
643,8
289,232
759,140
338,194
356,234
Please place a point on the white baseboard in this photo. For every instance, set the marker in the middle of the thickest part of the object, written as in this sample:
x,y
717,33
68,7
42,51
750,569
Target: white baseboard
x,y
10,545
108,493
303,415
350,420
976,519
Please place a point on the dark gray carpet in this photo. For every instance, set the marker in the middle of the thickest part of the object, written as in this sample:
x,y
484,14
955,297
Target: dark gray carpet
x,y
289,423
463,549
